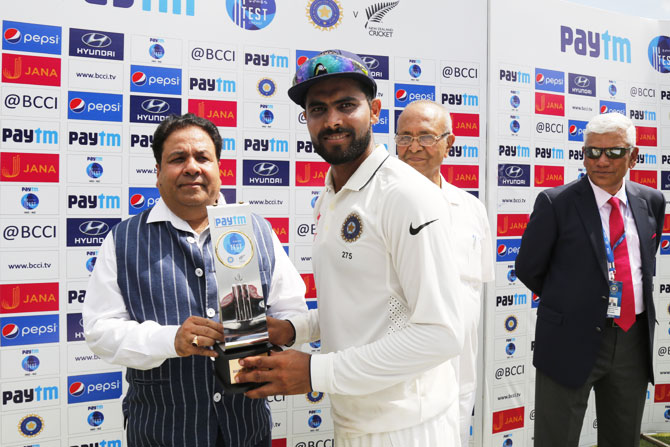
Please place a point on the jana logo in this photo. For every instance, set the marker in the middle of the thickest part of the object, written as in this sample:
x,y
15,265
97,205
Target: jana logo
x,y
30,201
659,54
251,15
324,14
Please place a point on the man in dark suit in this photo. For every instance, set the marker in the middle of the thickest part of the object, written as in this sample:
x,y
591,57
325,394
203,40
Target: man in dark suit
x,y
595,321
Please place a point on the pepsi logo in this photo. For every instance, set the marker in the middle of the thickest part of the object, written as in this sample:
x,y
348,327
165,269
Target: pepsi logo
x,y
536,298
573,130
139,78
77,105
77,389
10,331
665,244
302,60
502,249
603,109
539,78
137,201
401,95
12,35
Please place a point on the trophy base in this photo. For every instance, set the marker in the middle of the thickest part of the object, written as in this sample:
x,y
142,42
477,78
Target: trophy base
x,y
227,365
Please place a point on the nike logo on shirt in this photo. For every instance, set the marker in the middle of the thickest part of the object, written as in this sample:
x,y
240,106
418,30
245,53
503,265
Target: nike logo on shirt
x,y
416,230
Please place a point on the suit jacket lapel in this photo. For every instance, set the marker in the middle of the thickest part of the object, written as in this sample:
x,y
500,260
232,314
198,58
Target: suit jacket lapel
x,y
588,211
638,206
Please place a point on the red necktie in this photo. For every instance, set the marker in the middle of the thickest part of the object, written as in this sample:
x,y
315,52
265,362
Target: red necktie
x,y
622,266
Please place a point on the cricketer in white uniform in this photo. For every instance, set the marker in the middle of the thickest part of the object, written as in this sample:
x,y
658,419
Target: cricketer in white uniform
x,y
390,314
423,138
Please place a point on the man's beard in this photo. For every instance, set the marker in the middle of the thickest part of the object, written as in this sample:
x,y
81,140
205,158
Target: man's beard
x,y
339,155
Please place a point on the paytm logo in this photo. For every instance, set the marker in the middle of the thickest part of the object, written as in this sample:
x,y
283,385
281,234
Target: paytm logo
x,y
140,199
188,5
507,249
148,79
594,44
31,330
576,130
406,93
549,80
91,387
30,37
519,77
95,106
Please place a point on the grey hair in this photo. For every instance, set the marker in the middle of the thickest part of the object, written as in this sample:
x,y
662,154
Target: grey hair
x,y
447,122
611,122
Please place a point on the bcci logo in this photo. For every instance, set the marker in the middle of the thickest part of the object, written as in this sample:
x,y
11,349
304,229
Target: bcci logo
x,y
267,87
324,14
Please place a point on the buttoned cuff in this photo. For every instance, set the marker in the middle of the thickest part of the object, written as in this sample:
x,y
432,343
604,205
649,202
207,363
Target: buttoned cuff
x,y
163,341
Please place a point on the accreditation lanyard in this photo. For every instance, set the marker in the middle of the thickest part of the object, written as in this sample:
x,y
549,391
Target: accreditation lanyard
x,y
609,249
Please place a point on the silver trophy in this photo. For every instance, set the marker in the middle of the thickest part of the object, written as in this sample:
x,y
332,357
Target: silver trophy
x,y
241,301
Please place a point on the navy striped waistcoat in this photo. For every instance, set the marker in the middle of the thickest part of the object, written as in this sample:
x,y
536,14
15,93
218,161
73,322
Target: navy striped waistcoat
x,y
165,278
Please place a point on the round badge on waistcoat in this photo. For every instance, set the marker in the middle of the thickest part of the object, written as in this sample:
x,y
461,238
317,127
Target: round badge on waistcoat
x,y
352,228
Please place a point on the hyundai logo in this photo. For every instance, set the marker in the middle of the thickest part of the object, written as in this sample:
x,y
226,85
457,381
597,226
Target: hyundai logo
x,y
96,40
266,169
371,62
513,172
94,228
582,81
155,106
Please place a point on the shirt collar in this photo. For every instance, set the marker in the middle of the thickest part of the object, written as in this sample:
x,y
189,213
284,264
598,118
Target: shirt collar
x,y
603,196
454,198
365,171
161,213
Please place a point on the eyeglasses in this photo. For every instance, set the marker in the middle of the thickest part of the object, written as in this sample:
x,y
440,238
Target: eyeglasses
x,y
611,152
424,140
327,63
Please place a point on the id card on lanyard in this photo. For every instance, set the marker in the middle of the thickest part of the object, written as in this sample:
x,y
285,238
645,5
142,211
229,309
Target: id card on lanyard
x,y
615,287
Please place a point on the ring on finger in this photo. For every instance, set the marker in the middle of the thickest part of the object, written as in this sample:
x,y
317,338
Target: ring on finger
x,y
194,342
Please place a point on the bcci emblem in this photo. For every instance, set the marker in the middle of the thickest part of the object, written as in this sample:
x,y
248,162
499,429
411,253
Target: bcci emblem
x,y
324,14
314,397
31,425
511,323
352,228
266,87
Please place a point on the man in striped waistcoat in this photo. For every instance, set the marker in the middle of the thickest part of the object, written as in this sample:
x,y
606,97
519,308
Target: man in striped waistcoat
x,y
152,298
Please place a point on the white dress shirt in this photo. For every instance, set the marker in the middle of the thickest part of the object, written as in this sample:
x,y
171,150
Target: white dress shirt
x,y
116,339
